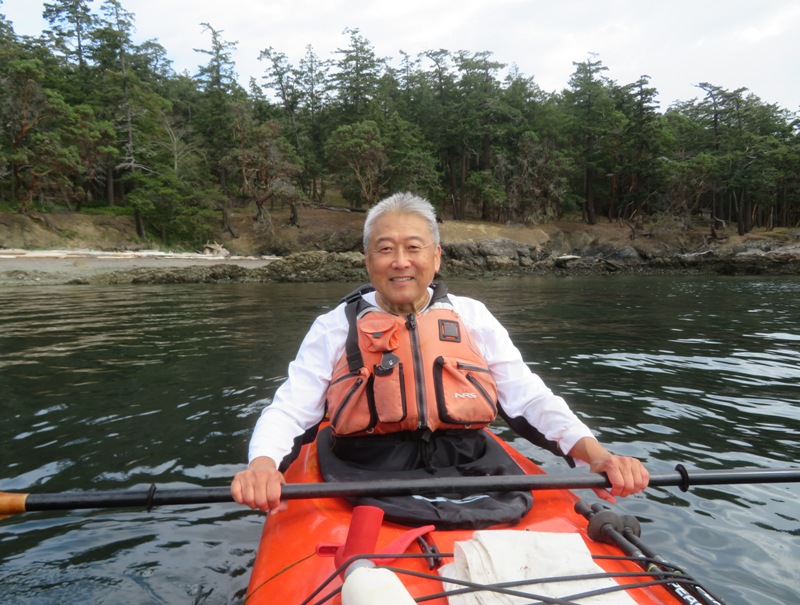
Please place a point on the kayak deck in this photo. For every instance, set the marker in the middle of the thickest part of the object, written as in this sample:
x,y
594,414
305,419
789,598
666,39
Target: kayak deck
x,y
288,570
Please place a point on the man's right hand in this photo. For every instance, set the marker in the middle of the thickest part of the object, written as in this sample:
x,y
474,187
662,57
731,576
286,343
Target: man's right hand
x,y
259,487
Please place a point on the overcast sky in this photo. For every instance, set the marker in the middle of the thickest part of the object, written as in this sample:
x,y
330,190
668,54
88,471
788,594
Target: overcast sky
x,y
730,43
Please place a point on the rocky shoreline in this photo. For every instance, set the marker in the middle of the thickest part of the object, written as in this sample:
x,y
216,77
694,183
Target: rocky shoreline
x,y
73,248
475,259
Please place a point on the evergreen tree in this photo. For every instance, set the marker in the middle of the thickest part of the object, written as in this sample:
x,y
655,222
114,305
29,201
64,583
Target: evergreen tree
x,y
590,107
71,24
358,72
219,93
313,81
88,114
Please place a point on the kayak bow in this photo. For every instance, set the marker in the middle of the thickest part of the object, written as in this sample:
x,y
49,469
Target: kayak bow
x,y
298,560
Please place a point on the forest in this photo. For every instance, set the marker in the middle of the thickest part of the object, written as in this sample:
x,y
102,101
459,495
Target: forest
x,y
94,121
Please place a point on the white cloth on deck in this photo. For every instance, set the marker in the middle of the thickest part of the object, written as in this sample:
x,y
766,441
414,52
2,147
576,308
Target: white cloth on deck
x,y
496,556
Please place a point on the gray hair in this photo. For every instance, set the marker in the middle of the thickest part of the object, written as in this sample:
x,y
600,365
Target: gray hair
x,y
402,203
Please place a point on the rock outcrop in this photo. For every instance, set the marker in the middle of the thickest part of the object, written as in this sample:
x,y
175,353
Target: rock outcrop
x,y
470,250
477,259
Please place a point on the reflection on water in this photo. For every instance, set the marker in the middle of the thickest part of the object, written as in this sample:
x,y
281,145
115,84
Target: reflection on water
x,y
107,388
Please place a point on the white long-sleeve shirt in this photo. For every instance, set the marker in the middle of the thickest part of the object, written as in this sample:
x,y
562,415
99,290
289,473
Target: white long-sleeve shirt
x,y
299,403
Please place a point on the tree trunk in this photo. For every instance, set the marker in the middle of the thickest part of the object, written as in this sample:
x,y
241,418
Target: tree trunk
x,y
294,219
110,186
744,222
226,223
486,153
259,217
137,215
590,215
612,204
453,189
462,186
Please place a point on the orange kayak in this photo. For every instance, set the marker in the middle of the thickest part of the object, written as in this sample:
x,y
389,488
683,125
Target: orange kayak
x,y
294,565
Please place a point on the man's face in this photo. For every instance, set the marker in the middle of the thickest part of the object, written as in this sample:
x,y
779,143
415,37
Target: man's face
x,y
401,262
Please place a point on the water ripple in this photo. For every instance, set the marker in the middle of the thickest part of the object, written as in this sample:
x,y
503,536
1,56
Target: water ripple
x,y
121,387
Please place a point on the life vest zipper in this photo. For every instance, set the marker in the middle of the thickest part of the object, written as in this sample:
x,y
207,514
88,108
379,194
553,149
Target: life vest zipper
x,y
482,391
419,378
475,368
469,366
346,401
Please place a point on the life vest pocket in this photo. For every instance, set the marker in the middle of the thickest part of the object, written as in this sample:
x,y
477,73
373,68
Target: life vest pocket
x,y
389,391
377,333
346,415
466,393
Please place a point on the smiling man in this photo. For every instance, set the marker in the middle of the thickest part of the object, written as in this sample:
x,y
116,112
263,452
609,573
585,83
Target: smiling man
x,y
405,374
402,258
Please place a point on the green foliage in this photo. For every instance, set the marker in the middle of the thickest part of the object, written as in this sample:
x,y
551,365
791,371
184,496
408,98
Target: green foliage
x,y
170,211
593,123
108,210
535,180
482,185
91,120
357,78
359,154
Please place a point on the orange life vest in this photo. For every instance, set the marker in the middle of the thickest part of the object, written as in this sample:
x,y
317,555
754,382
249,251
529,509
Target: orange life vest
x,y
407,372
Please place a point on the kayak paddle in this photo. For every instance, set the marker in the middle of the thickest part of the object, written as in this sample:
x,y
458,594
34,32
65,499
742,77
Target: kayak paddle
x,y
13,503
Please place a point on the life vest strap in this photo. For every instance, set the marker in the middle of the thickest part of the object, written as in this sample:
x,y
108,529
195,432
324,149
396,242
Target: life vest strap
x,y
355,305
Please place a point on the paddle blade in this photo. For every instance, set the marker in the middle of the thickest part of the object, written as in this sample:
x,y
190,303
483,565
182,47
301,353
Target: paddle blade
x,y
11,504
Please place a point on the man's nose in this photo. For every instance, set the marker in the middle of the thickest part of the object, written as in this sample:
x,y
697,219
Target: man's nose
x,y
401,257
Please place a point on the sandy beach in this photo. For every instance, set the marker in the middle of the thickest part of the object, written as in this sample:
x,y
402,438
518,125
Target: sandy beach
x,y
61,266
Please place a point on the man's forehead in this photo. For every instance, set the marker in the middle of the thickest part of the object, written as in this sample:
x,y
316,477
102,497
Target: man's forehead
x,y
401,237
401,227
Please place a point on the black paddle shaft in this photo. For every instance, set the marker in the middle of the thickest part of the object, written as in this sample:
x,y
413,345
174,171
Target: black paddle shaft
x,y
128,498
435,485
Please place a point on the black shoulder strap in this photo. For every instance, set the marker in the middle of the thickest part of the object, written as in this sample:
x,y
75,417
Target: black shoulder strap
x,y
355,360
439,292
354,300
357,293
